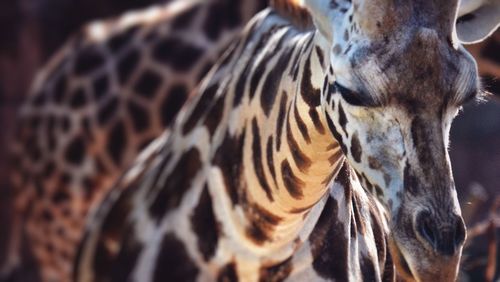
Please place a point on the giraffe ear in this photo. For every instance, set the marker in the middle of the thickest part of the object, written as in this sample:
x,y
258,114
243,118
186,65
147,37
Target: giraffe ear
x,y
477,19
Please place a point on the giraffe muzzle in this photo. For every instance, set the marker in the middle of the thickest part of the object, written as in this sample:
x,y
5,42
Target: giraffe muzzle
x,y
443,239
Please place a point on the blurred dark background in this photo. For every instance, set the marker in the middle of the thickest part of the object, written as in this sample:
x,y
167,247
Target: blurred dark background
x,y
32,30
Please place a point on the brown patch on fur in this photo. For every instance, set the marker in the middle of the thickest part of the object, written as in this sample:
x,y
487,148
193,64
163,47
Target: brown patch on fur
x,y
228,273
374,163
293,184
261,223
276,272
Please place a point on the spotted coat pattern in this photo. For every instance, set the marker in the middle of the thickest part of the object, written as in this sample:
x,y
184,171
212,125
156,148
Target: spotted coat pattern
x,y
114,87
263,211
138,123
231,193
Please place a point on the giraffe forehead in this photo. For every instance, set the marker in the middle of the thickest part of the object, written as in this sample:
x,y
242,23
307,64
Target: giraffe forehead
x,y
385,17
417,67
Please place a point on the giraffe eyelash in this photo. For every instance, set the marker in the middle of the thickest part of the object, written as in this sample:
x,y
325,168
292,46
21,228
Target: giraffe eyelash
x,y
354,98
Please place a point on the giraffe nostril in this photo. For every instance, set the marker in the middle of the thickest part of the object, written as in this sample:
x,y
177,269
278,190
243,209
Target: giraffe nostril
x,y
445,239
427,228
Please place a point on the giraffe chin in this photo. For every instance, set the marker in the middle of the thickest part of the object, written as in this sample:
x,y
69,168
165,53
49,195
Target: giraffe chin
x,y
437,268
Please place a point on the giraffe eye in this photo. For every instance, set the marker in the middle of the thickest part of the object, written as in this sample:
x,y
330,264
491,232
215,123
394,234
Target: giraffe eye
x,y
354,98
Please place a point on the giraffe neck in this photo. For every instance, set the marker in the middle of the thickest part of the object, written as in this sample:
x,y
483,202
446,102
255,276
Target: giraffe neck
x,y
288,154
243,184
304,154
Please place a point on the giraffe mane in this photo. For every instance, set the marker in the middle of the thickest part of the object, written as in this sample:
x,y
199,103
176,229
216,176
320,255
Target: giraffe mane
x,y
293,11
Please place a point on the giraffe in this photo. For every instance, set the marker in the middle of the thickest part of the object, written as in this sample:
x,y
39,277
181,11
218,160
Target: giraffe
x,y
110,34
108,92
313,153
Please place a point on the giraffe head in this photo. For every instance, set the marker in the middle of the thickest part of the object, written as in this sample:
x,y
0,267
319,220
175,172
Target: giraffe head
x,y
398,77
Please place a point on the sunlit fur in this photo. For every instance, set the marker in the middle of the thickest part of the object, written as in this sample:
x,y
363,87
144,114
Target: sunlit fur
x,y
253,154
385,80
110,90
379,142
